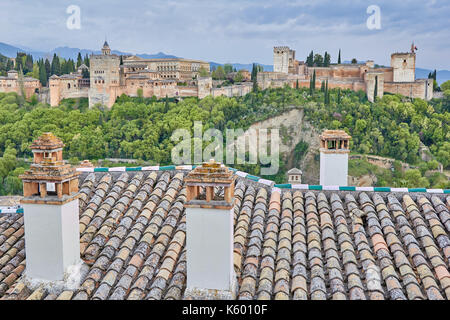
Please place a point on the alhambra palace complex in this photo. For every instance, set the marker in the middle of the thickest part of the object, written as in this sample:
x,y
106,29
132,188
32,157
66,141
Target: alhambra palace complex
x,y
176,77
399,78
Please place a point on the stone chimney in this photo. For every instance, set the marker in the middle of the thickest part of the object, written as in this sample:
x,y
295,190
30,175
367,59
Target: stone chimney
x,y
85,164
51,213
334,150
294,176
209,232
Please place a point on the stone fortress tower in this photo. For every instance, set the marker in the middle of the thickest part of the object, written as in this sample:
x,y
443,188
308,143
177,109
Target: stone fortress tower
x,y
283,59
404,65
104,77
334,150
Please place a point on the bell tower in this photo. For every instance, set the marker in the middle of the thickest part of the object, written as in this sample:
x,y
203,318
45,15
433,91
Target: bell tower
x,y
106,51
51,212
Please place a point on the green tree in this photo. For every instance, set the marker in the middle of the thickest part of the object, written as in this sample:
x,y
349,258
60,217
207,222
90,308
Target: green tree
x,y
219,73
238,77
55,66
339,57
375,91
203,72
310,59
80,60
445,86
318,60
227,68
326,59
42,74
48,68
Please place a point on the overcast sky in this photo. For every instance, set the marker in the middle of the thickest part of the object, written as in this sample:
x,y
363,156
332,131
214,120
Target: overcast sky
x,y
235,31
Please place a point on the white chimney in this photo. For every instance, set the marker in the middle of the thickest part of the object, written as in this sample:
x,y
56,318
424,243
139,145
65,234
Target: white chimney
x,y
209,233
334,150
51,213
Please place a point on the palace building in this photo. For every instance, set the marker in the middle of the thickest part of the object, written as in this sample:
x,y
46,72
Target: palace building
x,y
398,78
110,78
13,83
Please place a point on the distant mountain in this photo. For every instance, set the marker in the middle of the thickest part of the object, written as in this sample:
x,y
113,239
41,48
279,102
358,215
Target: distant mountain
x,y
11,51
66,52
441,75
240,66
159,55
72,53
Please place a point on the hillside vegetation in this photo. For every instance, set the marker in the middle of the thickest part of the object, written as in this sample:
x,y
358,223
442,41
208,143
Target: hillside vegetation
x,y
141,128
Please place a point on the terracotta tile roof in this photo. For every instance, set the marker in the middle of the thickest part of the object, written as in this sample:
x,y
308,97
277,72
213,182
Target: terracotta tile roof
x,y
291,245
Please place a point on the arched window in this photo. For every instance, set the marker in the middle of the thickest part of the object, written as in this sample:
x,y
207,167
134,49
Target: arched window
x,y
68,86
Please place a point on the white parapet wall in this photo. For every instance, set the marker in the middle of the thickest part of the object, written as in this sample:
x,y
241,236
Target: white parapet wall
x,y
333,169
52,239
209,249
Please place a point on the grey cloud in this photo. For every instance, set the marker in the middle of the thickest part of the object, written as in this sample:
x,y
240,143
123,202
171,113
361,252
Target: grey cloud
x,y
235,31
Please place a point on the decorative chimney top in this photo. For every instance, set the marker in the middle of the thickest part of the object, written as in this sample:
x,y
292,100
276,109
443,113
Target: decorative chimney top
x,y
50,179
86,164
47,146
294,176
335,141
210,176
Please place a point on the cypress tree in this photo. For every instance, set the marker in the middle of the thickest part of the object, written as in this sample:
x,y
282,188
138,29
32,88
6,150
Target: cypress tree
x,y
79,60
166,104
28,64
42,74
314,81
327,94
255,85
9,65
375,93
339,57
48,68
296,84
310,59
339,96
326,59
56,66
322,87
63,66
86,60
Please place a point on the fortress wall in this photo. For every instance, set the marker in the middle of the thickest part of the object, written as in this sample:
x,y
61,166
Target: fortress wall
x,y
186,91
416,89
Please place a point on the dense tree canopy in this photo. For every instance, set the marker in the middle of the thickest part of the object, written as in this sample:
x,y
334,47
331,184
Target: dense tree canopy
x,y
141,128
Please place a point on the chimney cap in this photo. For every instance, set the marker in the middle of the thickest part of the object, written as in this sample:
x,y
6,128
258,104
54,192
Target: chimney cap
x,y
211,172
335,134
210,176
295,171
47,141
86,164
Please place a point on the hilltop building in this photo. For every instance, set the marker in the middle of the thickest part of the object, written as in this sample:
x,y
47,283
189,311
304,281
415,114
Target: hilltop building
x,y
399,78
13,83
110,77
